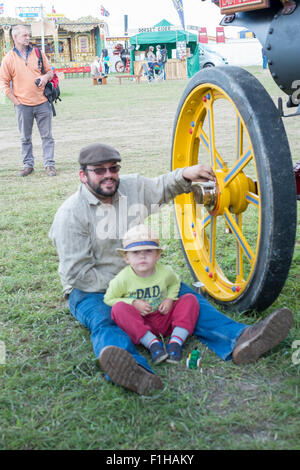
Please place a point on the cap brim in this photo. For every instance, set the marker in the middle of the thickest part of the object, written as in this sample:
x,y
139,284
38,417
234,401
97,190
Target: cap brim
x,y
122,251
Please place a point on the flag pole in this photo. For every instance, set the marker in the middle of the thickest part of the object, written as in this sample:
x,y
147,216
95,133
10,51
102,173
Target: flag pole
x,y
42,28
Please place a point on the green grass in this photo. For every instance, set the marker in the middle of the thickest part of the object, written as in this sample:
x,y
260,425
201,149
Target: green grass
x,y
52,393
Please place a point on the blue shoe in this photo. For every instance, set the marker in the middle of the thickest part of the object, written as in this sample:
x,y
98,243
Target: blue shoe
x,y
174,351
158,353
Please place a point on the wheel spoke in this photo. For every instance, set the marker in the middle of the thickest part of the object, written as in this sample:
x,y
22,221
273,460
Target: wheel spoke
x,y
203,220
253,199
238,166
206,221
212,243
205,140
239,254
212,144
241,240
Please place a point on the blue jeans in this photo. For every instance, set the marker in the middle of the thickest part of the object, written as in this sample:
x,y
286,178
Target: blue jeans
x,y
163,70
214,329
217,331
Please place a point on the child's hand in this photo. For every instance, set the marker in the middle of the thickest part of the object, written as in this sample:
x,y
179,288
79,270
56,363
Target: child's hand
x,y
165,306
142,306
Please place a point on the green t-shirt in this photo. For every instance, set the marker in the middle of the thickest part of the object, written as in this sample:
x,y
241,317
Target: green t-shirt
x,y
127,287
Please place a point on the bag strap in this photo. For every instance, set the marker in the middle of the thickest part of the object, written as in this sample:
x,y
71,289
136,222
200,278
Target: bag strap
x,y
40,57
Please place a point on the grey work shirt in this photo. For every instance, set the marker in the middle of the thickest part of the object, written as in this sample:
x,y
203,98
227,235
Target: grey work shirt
x,y
87,232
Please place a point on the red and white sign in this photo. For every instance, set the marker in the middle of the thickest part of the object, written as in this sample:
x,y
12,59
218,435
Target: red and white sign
x,y
220,34
202,35
232,6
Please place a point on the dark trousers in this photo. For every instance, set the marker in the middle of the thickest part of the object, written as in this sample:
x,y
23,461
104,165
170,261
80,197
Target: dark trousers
x,y
43,116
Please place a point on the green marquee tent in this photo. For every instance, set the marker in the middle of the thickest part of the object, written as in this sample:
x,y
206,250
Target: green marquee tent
x,y
162,35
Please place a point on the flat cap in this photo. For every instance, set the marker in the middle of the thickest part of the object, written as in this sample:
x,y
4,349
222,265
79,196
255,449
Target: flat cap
x,y
94,154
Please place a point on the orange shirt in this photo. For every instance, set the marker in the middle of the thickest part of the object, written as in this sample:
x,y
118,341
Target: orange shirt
x,y
23,74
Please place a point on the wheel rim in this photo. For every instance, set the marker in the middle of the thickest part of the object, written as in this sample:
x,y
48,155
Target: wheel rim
x,y
223,262
119,66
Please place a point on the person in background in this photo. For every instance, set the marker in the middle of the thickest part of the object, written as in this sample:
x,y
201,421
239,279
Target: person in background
x,y
106,62
164,59
158,54
150,57
95,69
21,67
150,54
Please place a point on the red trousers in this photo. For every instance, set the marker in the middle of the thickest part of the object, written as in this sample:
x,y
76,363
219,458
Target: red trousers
x,y
184,313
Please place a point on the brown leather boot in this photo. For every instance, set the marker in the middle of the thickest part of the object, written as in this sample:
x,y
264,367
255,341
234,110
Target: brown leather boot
x,y
26,171
260,338
123,370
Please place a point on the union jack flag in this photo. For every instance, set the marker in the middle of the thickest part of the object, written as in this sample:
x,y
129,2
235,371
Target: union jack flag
x,y
1,8
178,4
103,11
53,11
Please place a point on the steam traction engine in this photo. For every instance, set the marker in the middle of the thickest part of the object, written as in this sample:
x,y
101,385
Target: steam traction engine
x,y
238,235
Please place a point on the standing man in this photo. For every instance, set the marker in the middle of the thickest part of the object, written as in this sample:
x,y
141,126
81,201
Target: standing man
x,y
86,232
22,68
164,59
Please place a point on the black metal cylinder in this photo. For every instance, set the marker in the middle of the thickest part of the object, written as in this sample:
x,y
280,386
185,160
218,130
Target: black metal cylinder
x,y
280,37
284,52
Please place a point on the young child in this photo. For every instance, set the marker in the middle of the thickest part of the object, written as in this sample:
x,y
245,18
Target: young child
x,y
144,298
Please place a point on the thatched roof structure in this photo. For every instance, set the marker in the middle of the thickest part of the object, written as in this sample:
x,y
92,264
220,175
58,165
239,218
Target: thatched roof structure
x,y
84,24
12,21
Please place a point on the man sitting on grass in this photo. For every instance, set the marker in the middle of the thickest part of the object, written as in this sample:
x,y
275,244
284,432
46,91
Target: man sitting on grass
x,y
86,232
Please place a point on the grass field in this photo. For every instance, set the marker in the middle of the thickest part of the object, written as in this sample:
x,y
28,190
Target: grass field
x,y
52,393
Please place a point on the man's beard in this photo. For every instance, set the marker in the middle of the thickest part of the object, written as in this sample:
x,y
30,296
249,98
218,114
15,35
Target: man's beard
x,y
104,193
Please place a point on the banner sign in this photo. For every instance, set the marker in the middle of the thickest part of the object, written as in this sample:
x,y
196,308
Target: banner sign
x,y
159,28
178,5
55,15
117,38
28,15
193,27
28,12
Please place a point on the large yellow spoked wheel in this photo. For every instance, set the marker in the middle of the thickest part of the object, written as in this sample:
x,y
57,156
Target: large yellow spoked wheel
x,y
237,236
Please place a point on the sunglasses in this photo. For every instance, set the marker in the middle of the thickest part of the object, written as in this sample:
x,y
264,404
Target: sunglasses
x,y
102,171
